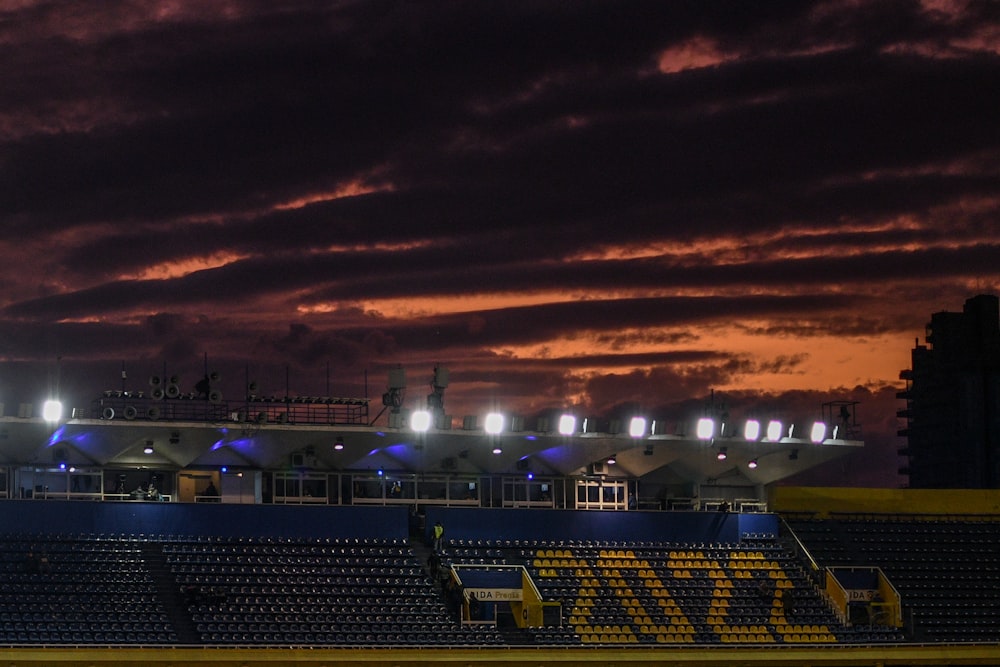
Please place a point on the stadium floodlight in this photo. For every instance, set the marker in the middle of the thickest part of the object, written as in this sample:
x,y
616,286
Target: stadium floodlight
x,y
637,427
52,410
752,464
705,430
751,430
493,423
420,420
567,425
774,430
818,432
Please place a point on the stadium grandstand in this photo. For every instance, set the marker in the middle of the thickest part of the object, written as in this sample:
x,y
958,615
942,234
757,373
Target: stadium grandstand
x,y
182,529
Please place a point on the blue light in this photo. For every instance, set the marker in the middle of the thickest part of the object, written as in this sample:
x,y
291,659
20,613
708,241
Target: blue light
x,y
381,472
224,469
57,436
531,475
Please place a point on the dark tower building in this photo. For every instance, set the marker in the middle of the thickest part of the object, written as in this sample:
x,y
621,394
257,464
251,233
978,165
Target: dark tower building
x,y
953,400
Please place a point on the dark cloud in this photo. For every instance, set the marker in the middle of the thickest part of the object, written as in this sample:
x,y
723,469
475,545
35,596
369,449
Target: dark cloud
x,y
614,204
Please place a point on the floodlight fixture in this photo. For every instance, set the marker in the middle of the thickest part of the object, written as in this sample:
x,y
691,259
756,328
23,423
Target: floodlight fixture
x,y
381,472
338,445
613,459
52,410
531,475
774,430
818,432
420,421
637,427
148,449
497,449
705,429
493,423
567,425
723,454
751,430
752,464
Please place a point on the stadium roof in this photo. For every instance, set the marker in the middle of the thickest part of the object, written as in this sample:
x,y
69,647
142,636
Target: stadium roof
x,y
187,444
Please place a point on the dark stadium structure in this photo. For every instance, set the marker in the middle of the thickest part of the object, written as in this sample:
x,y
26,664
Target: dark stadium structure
x,y
165,528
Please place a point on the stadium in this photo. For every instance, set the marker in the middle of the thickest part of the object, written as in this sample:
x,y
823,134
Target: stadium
x,y
170,527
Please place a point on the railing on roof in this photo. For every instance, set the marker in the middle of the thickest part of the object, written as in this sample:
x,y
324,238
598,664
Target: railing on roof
x,y
130,406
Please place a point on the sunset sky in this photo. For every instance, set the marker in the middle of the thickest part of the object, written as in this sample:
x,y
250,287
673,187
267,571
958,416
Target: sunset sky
x,y
591,204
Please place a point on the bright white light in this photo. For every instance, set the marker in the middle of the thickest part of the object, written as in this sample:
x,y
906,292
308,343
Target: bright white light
x,y
752,464
637,427
148,449
567,425
751,430
420,420
705,429
722,455
52,411
498,450
774,430
818,433
493,423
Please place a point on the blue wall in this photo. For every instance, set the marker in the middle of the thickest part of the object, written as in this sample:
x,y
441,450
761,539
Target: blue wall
x,y
537,524
74,517
133,518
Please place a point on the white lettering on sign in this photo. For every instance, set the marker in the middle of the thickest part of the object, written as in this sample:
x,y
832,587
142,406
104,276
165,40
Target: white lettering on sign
x,y
861,595
495,594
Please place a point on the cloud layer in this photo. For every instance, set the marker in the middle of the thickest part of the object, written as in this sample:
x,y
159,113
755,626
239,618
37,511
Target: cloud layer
x,y
600,204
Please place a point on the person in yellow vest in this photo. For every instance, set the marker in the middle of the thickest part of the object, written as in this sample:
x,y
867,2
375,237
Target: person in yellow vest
x,y
438,536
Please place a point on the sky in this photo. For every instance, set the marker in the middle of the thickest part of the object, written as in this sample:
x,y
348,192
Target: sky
x,y
603,205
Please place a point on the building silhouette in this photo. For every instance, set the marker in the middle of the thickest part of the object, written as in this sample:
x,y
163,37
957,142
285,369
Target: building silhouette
x,y
953,400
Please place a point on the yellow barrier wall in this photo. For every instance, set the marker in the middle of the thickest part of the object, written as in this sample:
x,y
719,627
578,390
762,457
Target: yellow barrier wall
x,y
824,500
